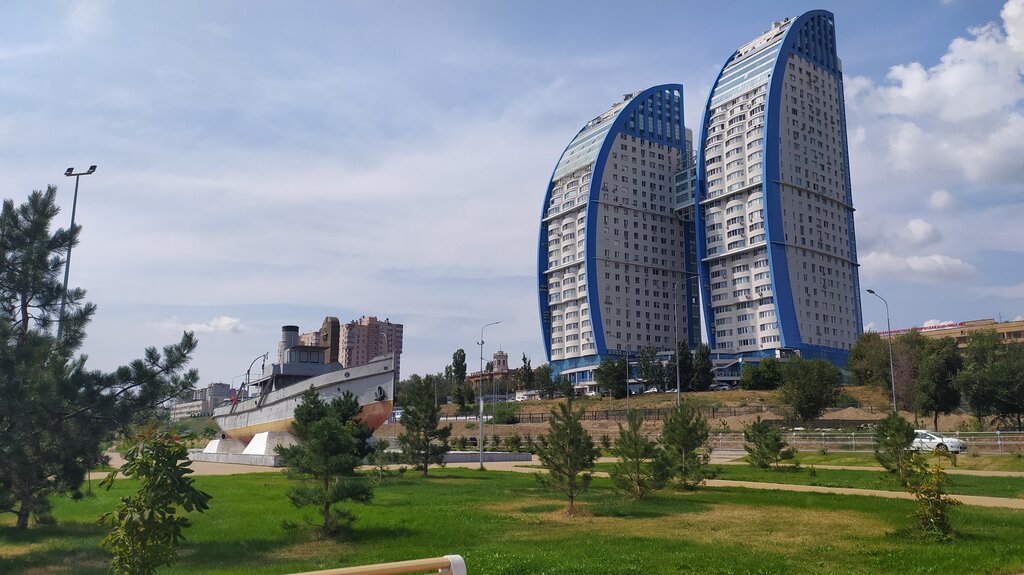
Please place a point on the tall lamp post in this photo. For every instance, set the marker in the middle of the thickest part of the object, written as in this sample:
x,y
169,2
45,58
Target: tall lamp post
x,y
67,262
888,326
481,391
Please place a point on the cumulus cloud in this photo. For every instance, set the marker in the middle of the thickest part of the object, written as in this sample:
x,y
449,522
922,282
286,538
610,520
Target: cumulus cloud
x,y
918,233
959,118
936,322
1018,318
941,201
929,269
219,324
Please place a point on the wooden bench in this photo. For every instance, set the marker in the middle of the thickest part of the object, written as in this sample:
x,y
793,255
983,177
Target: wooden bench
x,y
452,564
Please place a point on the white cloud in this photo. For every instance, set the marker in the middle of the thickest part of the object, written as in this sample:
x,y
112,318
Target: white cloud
x,y
87,17
219,324
919,233
929,269
935,322
941,201
959,119
1018,318
870,326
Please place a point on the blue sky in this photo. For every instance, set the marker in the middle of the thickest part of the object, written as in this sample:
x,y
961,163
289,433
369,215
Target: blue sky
x,y
263,163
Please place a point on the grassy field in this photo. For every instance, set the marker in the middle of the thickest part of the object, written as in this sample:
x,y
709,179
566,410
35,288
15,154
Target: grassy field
x,y
503,523
789,474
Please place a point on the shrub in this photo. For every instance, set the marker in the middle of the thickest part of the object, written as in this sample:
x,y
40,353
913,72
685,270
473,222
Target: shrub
x,y
505,414
928,484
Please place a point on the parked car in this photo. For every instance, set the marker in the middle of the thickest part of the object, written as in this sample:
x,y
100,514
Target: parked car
x,y
925,440
652,390
592,393
721,387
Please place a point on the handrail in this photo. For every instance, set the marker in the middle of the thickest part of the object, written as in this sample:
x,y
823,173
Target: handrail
x,y
453,564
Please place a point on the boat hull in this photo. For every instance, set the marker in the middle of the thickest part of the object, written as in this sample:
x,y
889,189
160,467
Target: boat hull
x,y
372,384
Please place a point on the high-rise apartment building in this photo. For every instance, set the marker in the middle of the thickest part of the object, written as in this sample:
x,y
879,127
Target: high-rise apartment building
x,y
359,341
611,245
774,220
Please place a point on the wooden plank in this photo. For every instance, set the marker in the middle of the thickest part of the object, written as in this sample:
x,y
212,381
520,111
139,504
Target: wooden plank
x,y
433,564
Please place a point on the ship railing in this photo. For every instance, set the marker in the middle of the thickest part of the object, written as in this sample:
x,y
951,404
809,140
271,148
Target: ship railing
x,y
452,564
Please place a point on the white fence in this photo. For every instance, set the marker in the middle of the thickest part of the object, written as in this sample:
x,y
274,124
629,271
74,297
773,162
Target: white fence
x,y
987,443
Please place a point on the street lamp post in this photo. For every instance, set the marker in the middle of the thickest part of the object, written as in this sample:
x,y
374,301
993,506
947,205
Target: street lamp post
x,y
67,263
888,326
480,391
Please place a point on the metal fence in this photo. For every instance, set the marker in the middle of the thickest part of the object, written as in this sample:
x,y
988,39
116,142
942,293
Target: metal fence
x,y
710,412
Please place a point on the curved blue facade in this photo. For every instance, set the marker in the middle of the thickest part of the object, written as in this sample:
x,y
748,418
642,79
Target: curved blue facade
x,y
759,71
653,115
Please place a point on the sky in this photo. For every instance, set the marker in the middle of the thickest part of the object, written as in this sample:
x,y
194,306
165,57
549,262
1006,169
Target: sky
x,y
263,164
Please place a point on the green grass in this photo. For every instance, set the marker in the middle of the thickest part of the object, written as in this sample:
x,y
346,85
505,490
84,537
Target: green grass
x,y
1011,487
503,523
965,461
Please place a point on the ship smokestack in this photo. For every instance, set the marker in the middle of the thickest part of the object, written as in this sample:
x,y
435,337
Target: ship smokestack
x,y
289,339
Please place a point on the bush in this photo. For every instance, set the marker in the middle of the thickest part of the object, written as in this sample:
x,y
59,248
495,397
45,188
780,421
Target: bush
x,y
505,414
514,443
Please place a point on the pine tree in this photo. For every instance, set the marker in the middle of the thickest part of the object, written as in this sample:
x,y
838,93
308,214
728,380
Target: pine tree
x,y
636,473
423,442
54,413
703,375
893,437
764,444
567,452
683,434
332,443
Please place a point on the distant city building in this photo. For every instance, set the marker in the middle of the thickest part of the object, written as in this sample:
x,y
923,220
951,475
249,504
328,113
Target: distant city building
x,y
1008,331
612,247
359,341
774,220
200,402
499,368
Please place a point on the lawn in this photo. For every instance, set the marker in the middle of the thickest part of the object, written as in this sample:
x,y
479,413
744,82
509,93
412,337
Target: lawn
x,y
503,523
966,461
1011,487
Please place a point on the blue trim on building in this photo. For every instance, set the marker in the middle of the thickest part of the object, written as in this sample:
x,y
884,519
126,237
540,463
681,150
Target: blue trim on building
x,y
652,125
700,193
811,36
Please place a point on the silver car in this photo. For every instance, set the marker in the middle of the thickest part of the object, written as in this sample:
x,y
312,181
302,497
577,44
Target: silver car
x,y
925,440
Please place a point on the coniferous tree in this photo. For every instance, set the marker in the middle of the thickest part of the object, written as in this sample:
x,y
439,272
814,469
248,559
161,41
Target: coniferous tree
x,y
764,444
636,473
424,442
683,435
567,452
54,413
685,359
703,374
893,437
332,443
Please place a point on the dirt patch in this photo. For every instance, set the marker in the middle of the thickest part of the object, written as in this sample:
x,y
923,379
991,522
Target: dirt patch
x,y
855,414
762,527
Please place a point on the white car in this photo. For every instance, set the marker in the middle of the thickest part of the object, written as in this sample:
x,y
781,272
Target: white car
x,y
925,440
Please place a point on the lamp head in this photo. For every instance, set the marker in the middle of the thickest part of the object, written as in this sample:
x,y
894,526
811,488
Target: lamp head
x,y
871,291
69,171
92,169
